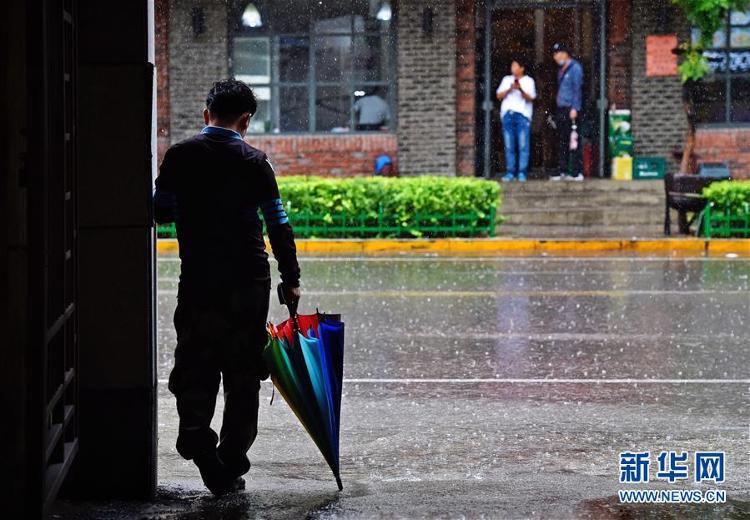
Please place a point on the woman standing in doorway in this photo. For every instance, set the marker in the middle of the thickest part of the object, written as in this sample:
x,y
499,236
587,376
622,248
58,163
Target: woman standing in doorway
x,y
517,91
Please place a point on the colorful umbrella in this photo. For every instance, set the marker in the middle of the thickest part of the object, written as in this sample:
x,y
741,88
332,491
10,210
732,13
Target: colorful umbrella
x,y
305,356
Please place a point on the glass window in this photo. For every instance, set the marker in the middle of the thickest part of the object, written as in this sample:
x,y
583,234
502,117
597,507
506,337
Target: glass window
x,y
251,59
371,59
296,110
294,58
741,99
332,16
310,62
724,96
333,109
261,121
333,58
711,99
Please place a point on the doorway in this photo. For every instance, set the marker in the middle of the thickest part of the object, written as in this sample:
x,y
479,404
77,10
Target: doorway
x,y
528,30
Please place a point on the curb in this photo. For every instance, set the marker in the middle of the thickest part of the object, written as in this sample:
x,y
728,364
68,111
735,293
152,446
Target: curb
x,y
691,247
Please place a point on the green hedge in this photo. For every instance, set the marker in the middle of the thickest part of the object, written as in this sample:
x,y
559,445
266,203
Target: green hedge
x,y
728,195
391,207
388,207
727,213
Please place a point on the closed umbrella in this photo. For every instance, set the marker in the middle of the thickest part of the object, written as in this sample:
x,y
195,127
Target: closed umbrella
x,y
305,356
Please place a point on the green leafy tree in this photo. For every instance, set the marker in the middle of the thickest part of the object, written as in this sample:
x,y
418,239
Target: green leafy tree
x,y
708,16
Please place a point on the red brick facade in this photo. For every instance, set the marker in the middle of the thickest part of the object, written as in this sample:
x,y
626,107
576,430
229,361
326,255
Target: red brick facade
x,y
727,145
619,52
325,154
450,105
466,87
161,22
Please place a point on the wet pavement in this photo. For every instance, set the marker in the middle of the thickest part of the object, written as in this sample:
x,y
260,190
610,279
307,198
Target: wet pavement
x,y
493,388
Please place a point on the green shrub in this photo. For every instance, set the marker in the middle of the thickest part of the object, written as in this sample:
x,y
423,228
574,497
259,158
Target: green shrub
x,y
729,196
389,207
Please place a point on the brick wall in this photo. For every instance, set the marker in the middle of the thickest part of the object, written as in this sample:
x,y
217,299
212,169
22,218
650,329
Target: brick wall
x,y
728,145
320,154
619,52
466,86
161,51
427,103
427,88
195,62
659,123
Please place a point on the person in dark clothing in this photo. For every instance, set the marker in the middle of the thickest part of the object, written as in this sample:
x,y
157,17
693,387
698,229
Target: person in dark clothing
x,y
569,101
212,186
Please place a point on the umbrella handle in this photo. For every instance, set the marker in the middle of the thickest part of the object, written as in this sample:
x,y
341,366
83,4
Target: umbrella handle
x,y
282,301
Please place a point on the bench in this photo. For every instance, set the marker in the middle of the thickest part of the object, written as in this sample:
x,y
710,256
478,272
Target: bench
x,y
683,193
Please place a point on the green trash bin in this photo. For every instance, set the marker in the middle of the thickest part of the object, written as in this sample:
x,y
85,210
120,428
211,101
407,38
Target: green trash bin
x,y
649,168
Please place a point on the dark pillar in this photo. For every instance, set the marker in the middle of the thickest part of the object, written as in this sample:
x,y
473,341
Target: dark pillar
x,y
14,276
118,427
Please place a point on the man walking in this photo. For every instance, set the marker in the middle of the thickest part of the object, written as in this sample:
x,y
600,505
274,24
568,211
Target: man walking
x,y
517,92
212,186
569,99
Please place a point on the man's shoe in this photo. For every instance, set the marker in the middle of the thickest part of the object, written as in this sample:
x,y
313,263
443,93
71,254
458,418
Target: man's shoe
x,y
575,178
555,177
521,177
507,177
215,475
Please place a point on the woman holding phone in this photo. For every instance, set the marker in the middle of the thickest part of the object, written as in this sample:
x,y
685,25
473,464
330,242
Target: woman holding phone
x,y
517,91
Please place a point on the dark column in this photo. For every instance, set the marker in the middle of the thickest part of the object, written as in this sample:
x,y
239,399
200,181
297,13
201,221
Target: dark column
x,y
14,253
117,456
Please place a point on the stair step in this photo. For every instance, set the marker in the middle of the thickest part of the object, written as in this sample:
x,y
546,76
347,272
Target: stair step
x,y
590,186
584,216
626,232
593,208
536,200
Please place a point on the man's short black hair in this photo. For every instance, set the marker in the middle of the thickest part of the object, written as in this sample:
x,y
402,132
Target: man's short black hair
x,y
228,99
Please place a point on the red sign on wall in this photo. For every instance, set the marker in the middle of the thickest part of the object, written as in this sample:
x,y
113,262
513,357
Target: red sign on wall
x,y
660,60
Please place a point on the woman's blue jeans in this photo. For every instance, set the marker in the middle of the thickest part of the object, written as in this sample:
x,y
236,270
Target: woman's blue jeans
x,y
517,138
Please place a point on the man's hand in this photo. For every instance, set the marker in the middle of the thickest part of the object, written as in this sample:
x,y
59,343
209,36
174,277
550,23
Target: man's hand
x,y
573,113
291,298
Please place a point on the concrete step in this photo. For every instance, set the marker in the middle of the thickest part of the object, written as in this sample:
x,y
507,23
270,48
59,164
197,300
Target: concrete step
x,y
593,208
589,186
535,200
585,216
526,231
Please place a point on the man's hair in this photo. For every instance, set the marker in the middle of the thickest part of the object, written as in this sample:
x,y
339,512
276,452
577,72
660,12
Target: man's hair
x,y
228,99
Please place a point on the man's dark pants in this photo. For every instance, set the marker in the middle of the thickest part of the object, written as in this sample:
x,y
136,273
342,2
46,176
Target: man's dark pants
x,y
570,161
219,333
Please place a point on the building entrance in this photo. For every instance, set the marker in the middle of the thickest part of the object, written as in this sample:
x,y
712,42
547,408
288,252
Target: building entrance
x,y
528,30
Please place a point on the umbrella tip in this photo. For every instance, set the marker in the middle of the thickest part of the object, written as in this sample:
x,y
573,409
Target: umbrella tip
x,y
339,484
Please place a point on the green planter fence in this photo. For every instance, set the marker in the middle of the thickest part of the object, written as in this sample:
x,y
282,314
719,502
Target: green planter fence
x,y
367,225
726,223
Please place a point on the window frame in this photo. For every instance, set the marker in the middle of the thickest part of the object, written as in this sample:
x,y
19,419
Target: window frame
x,y
726,76
311,84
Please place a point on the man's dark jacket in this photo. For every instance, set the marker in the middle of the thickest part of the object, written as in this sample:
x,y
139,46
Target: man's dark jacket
x,y
212,186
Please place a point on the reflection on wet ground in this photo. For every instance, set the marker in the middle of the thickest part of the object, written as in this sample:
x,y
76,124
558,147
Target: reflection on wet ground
x,y
497,388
